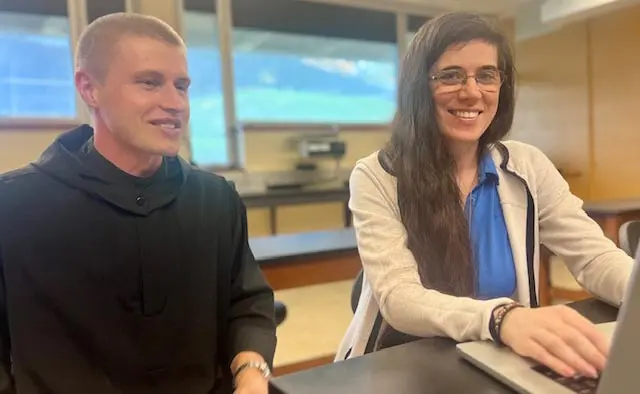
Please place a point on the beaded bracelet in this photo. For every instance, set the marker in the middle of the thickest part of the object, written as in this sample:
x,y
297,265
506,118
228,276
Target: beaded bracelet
x,y
497,318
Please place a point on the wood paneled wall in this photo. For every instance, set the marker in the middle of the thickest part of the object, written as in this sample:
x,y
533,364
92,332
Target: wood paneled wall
x,y
577,100
615,64
552,111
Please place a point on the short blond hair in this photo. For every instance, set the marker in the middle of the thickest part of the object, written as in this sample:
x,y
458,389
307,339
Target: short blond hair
x,y
98,40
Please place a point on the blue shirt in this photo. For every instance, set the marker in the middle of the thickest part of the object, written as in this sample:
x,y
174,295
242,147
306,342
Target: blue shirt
x,y
492,254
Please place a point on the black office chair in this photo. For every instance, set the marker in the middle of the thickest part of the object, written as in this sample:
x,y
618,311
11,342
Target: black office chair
x,y
356,290
629,236
391,336
281,312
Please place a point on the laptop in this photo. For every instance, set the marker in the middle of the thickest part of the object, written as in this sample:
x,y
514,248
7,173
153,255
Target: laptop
x,y
528,377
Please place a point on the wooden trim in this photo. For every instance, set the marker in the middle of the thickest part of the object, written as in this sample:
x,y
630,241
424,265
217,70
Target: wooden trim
x,y
568,295
273,219
35,124
591,138
313,270
252,127
301,366
569,173
544,278
610,224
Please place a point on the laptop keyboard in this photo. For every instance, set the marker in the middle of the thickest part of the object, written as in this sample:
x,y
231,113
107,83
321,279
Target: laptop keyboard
x,y
580,385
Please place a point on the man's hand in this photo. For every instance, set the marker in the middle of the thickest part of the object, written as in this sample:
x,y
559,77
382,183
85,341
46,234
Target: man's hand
x,y
557,337
251,381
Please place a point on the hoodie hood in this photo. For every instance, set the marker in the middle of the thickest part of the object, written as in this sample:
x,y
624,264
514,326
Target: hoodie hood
x,y
72,160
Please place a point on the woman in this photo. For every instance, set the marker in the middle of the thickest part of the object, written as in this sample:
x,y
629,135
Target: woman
x,y
449,219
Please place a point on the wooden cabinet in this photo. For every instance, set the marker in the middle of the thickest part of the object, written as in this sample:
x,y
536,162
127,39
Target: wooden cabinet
x,y
309,217
259,222
298,218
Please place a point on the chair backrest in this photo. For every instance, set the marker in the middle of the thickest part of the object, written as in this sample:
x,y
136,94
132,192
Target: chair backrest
x,y
356,290
629,236
391,336
280,312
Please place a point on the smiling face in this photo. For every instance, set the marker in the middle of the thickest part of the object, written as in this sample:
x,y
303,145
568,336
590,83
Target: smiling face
x,y
465,110
142,101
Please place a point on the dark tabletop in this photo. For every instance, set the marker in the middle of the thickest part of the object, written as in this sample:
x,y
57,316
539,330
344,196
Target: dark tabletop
x,y
277,248
426,366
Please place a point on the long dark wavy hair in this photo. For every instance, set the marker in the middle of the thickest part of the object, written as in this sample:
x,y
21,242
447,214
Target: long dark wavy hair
x,y
428,194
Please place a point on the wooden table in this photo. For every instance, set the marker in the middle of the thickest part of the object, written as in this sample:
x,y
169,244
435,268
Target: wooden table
x,y
272,198
610,215
295,260
426,366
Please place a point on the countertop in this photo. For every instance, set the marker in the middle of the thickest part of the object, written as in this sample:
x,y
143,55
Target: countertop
x,y
327,191
269,188
613,206
277,248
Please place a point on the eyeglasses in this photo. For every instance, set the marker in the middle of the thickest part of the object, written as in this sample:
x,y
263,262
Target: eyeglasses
x,y
452,80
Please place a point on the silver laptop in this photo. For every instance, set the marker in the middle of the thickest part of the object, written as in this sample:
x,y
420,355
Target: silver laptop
x,y
525,376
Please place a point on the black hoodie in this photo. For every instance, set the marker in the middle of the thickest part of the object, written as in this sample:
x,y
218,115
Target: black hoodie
x,y
116,284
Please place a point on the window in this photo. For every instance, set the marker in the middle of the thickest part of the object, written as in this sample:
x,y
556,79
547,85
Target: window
x,y
29,37
36,57
294,62
306,62
283,77
209,144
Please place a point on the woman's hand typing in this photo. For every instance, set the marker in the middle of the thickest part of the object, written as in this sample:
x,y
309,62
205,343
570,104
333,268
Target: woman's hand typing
x,y
557,337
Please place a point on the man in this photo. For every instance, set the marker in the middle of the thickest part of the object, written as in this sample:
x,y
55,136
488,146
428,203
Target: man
x,y
124,269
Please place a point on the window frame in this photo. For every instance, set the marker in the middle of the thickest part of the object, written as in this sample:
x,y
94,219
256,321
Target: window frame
x,y
221,9
311,126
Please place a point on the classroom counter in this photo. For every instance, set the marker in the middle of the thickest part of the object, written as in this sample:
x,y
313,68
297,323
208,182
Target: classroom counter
x,y
336,190
278,248
259,196
304,259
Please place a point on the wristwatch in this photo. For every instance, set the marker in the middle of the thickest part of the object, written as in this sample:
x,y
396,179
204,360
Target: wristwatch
x,y
261,366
